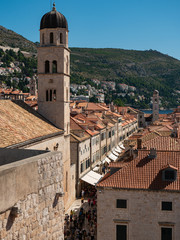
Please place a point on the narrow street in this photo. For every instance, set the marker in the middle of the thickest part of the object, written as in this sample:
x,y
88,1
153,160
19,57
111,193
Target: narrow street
x,y
81,220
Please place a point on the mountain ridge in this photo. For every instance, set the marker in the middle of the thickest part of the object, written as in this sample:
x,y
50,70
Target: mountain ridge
x,y
146,70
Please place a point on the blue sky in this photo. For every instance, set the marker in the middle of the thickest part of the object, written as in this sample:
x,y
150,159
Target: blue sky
x,y
126,24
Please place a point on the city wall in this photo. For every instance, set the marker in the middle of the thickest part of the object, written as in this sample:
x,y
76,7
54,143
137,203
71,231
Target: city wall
x,y
31,199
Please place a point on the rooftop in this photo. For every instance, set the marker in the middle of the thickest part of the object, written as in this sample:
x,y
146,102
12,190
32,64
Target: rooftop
x,y
145,173
20,123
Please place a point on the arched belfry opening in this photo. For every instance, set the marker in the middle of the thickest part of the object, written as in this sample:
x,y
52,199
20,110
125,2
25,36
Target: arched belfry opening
x,y
61,38
47,67
54,66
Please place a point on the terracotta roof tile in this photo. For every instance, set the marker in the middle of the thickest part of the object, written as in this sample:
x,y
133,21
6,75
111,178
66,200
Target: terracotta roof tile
x,y
163,143
146,173
19,123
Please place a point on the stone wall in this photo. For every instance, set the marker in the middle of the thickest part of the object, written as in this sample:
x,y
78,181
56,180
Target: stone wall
x,y
143,215
32,187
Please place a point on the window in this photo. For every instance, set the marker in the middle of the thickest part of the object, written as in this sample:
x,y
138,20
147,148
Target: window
x,y
61,38
50,97
47,96
51,38
109,134
81,167
121,232
169,175
67,65
103,135
166,233
54,95
66,94
46,66
167,206
121,203
54,67
87,163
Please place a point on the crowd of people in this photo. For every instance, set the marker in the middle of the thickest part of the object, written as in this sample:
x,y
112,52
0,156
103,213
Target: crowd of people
x,y
82,225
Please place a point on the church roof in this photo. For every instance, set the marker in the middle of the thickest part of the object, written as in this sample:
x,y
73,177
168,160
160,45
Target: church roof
x,y
20,123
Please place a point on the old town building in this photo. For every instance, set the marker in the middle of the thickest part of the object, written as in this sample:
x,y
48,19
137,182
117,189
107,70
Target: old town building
x,y
140,198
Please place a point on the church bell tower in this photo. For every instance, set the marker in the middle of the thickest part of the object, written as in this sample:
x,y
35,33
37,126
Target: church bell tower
x,y
54,85
155,105
54,70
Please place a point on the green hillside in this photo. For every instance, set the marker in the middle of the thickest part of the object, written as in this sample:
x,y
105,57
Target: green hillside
x,y
14,40
146,70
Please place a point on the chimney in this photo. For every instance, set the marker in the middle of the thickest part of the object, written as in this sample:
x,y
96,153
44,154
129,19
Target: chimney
x,y
139,143
133,153
152,153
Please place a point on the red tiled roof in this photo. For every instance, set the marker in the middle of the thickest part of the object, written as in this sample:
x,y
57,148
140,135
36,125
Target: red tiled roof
x,y
74,125
94,107
146,173
163,143
20,123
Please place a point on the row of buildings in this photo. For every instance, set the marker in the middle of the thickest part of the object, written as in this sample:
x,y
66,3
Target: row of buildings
x,y
97,136
141,190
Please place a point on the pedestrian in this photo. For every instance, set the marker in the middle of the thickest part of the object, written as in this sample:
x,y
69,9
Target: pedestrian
x,y
89,201
82,193
82,200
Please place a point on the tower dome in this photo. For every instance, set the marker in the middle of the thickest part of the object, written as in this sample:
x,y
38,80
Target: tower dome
x,y
53,19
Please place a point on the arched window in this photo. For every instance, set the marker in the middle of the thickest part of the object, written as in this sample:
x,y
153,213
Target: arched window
x,y
43,38
61,38
46,66
66,94
47,97
51,38
54,95
50,98
54,67
67,64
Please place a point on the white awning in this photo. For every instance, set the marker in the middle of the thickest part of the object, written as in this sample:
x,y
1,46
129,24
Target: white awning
x,y
99,163
118,149
115,153
106,160
113,157
122,146
96,168
91,178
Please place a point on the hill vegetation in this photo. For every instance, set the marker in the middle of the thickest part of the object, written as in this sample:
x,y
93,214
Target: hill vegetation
x,y
145,70
14,40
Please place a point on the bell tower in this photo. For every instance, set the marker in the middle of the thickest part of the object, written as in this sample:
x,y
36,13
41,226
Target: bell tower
x,y
54,85
54,70
155,105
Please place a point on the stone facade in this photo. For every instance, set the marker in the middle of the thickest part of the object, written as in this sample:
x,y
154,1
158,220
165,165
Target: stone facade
x,y
155,105
54,92
34,186
142,216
